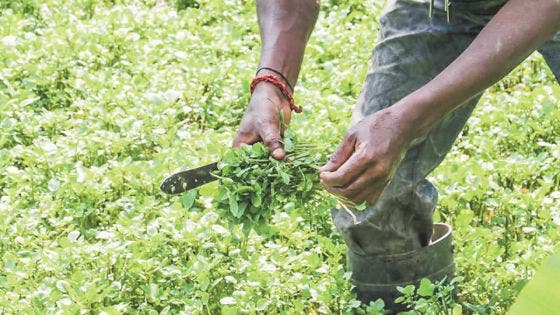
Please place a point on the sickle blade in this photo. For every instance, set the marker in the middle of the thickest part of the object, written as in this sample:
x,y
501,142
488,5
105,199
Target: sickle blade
x,y
187,180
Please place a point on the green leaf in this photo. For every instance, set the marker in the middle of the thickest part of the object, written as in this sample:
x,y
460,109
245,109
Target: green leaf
x,y
376,307
245,189
289,206
354,304
426,288
234,206
262,304
540,295
229,310
361,206
188,198
256,200
408,290
246,228
288,143
285,178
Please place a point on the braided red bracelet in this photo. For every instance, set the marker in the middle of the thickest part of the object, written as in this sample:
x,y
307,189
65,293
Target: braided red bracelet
x,y
270,78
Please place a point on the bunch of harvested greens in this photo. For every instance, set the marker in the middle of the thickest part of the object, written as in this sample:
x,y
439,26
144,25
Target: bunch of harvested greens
x,y
253,185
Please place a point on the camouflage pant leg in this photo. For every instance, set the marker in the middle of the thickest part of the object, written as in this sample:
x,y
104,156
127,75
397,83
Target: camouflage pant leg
x,y
551,53
412,50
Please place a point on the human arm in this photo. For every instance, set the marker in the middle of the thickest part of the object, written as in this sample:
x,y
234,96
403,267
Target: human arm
x,y
285,26
372,149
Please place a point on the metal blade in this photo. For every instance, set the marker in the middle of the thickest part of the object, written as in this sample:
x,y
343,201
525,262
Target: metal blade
x,y
187,180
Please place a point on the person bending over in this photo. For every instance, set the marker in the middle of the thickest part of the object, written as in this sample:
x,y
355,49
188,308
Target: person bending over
x,y
427,75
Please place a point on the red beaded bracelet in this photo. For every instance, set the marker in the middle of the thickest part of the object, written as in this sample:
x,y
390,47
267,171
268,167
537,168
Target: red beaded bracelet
x,y
276,81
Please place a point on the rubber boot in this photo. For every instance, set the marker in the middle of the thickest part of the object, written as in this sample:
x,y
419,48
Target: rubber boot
x,y
378,276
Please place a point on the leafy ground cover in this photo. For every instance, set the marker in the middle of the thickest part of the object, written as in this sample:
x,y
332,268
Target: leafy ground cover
x,y
99,100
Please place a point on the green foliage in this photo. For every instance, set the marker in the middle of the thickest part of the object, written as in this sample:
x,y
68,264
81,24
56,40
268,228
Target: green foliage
x,y
253,186
99,100
540,295
376,307
430,298
184,4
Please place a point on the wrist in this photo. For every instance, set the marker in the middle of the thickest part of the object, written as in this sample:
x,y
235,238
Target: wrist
x,y
274,80
418,113
278,73
268,92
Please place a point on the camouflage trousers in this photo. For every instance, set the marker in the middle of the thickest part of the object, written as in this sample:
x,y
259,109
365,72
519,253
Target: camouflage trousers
x,y
412,49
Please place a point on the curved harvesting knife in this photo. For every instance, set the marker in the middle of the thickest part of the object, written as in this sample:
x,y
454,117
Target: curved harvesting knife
x,y
187,180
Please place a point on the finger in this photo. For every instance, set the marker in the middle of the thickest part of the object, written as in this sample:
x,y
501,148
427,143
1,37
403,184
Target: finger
x,y
373,179
332,190
341,155
370,194
369,197
372,199
270,135
347,173
363,183
355,192
244,138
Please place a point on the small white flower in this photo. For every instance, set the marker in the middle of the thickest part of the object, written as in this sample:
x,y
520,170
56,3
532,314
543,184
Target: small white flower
x,y
104,235
9,40
228,300
73,236
53,184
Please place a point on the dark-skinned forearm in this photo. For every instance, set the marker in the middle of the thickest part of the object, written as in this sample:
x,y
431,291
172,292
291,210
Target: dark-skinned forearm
x,y
285,27
518,29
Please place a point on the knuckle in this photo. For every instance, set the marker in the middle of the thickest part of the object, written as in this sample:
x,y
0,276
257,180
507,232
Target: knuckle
x,y
385,168
327,182
382,170
243,137
352,191
332,181
334,158
366,159
371,155
242,133
261,121
271,140
340,192
350,135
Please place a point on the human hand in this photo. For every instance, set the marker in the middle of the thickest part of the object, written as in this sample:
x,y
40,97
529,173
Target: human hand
x,y
261,121
367,158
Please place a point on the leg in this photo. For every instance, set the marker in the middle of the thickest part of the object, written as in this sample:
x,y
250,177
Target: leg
x,y
551,53
412,50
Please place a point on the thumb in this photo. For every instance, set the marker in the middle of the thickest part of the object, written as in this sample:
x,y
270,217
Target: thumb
x,y
342,153
270,135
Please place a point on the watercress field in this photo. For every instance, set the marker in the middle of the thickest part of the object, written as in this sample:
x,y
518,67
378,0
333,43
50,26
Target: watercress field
x,y
99,100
